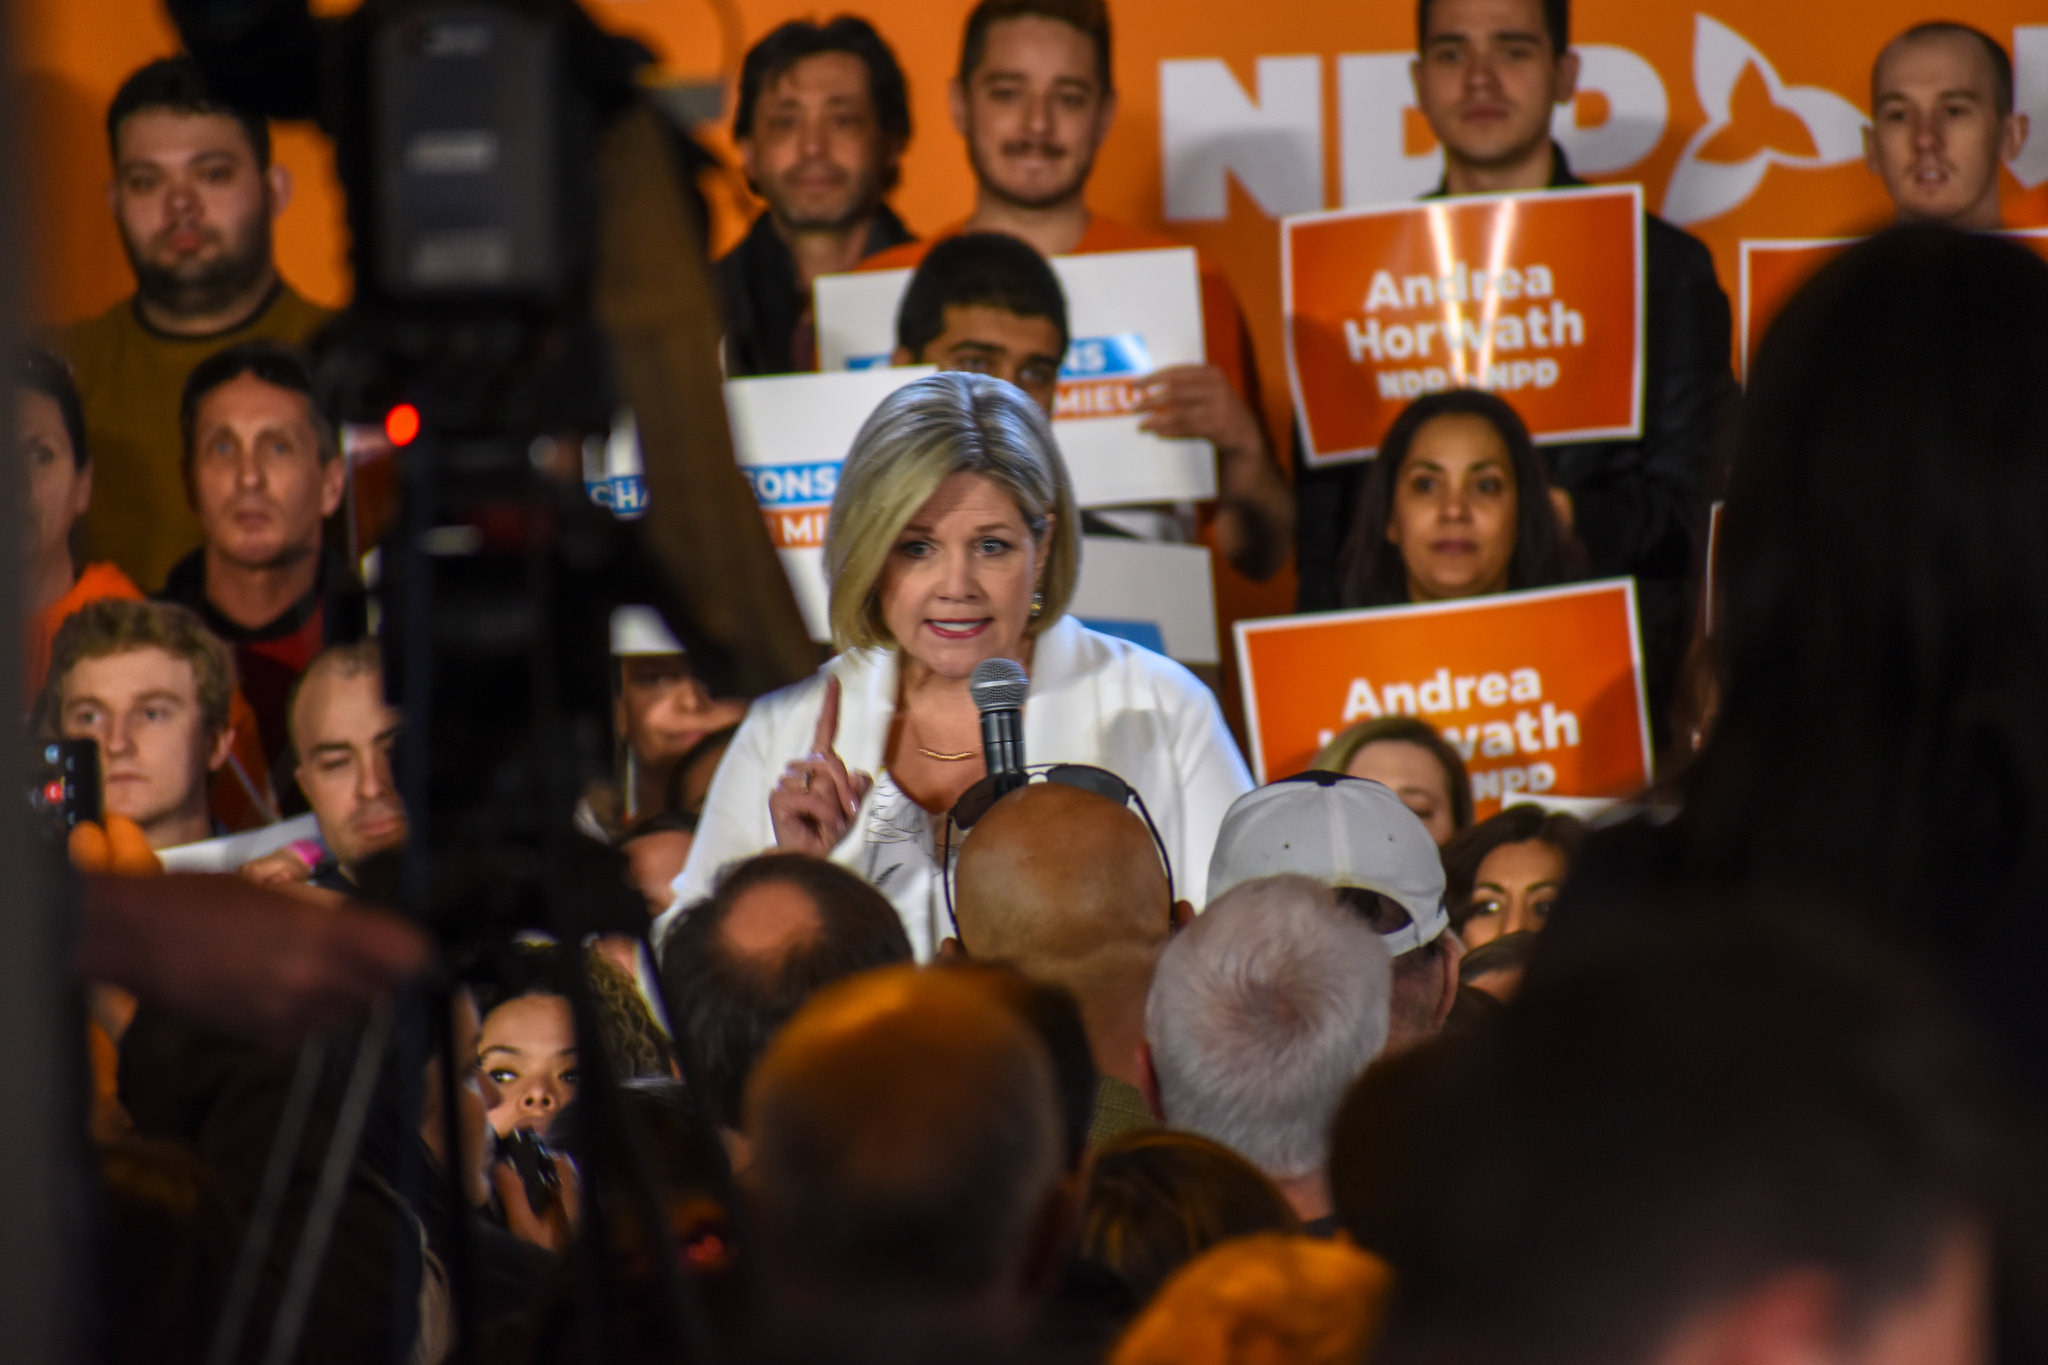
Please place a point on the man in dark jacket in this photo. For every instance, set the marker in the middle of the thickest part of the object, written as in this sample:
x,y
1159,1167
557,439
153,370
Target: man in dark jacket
x,y
821,124
1487,76
264,471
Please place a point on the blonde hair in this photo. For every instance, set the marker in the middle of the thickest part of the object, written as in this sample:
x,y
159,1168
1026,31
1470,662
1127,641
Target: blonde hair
x,y
1336,756
925,432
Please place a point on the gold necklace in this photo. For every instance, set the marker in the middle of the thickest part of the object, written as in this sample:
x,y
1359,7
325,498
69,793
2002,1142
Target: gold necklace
x,y
947,758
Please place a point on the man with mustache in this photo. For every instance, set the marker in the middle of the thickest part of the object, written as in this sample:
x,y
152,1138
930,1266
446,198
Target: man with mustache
x,y
193,194
263,471
821,123
1034,98
1942,119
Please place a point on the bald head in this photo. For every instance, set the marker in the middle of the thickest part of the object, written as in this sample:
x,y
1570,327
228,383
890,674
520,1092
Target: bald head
x,y
361,664
343,730
905,1137
1054,875
737,966
769,921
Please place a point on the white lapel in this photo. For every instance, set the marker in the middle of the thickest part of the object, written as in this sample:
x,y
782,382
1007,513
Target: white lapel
x,y
867,706
1062,713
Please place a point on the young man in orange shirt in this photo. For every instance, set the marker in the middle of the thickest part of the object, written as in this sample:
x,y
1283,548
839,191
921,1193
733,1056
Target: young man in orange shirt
x,y
1034,98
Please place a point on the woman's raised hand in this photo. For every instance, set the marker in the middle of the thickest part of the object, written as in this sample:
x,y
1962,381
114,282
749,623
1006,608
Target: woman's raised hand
x,y
813,805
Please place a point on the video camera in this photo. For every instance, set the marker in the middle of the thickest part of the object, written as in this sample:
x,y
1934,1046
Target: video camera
x,y
64,785
466,133
468,136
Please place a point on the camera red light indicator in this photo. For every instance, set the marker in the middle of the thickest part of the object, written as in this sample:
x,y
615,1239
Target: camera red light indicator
x,y
402,424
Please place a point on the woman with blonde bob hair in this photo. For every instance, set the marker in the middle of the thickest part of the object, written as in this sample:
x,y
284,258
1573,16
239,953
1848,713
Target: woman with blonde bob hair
x,y
954,539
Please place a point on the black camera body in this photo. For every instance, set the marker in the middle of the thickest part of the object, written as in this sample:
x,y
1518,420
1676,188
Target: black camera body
x,y
64,785
532,1158
466,136
467,140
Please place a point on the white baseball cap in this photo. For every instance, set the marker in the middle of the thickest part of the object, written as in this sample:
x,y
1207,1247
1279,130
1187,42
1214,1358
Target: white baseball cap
x,y
640,630
1340,831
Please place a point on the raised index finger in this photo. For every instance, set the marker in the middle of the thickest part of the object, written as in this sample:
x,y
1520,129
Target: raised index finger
x,y
828,720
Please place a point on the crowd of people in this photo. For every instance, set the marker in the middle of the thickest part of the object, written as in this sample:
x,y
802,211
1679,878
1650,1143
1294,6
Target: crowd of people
x,y
1120,1057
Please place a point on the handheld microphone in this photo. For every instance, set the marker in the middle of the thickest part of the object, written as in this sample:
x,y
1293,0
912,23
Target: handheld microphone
x,y
998,687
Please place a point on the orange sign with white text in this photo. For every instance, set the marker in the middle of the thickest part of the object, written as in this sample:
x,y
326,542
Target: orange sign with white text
x,y
1541,691
1772,272
1537,297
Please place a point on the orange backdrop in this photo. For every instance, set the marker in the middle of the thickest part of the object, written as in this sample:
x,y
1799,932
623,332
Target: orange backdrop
x,y
1739,121
1318,72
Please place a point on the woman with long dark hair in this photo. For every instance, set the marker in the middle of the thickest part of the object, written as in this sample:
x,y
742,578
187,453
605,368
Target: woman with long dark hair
x,y
1881,741
1457,504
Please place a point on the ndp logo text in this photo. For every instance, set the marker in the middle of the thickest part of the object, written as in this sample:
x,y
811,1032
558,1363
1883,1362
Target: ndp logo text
x,y
1271,140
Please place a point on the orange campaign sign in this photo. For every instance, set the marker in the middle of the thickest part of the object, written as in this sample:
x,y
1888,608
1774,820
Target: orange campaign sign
x,y
1541,692
1537,297
1771,273
1773,270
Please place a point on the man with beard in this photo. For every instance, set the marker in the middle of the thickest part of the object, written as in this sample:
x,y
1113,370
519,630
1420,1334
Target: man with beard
x,y
1034,98
193,194
263,471
821,124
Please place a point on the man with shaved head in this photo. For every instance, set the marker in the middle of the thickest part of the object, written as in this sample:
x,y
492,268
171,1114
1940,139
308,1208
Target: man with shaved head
x,y
737,965
906,1180
342,730
1067,886
1941,121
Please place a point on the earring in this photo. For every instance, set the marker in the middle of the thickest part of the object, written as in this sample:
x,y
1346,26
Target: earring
x,y
1038,603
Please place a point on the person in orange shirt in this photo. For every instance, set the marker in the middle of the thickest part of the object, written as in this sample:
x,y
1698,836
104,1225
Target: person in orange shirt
x,y
1034,99
50,428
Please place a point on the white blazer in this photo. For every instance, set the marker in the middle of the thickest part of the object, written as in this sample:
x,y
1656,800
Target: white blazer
x,y
1093,699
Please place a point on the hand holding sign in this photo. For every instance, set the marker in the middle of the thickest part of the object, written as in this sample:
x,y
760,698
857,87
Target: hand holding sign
x,y
1256,525
1197,401
1131,315
814,804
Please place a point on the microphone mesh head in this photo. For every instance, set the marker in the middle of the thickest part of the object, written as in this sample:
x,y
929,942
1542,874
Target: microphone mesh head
x,y
998,684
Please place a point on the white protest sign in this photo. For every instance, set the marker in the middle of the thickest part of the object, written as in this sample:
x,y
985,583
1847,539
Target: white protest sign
x,y
1128,313
1159,596
229,852
790,433
613,474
